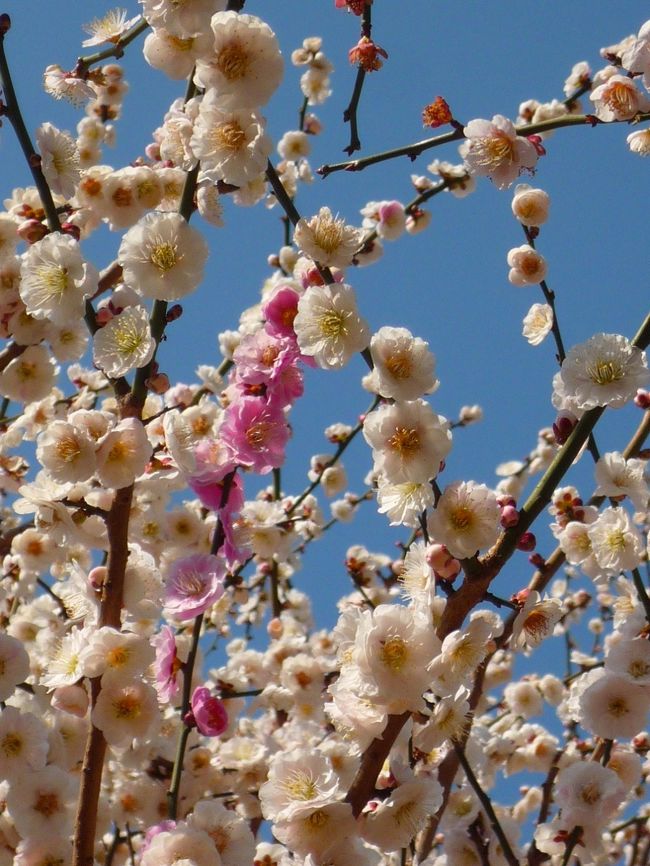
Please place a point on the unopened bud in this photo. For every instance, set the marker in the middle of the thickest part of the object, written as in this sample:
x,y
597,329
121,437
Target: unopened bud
x,y
509,516
5,24
173,313
275,628
72,230
563,427
97,576
442,562
31,231
158,383
642,399
527,541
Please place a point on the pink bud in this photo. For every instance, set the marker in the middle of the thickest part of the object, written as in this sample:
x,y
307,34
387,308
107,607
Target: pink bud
x,y
442,562
208,713
642,399
509,516
72,230
97,576
527,541
31,231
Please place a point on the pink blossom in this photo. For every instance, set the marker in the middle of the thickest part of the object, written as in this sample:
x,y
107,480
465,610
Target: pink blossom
x,y
208,713
280,311
257,432
194,583
260,356
167,664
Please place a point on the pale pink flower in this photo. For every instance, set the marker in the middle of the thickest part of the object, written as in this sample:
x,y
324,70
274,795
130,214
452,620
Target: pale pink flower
x,y
328,325
530,206
109,28
527,266
167,664
327,239
193,584
494,149
618,99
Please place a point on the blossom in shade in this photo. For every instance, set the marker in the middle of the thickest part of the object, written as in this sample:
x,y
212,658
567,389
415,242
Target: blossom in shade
x,y
42,804
612,707
124,343
607,370
183,845
587,793
30,376
123,454
244,66
493,149
327,239
328,325
23,743
208,712
125,710
193,584
163,257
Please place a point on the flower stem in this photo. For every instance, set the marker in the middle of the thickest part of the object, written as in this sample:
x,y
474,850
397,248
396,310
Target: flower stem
x,y
188,671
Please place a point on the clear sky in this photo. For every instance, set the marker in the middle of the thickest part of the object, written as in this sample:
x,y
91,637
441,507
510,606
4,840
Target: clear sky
x,y
448,285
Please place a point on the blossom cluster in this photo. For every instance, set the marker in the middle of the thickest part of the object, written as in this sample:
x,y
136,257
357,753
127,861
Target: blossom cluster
x,y
147,532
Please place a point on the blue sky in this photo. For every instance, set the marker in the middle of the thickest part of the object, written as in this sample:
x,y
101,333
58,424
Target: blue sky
x,y
448,285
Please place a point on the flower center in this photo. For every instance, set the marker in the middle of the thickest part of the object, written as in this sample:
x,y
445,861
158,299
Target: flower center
x,y
461,518
67,449
11,745
229,136
127,707
233,61
638,668
47,803
53,281
328,233
617,707
394,653
494,151
399,366
164,256
605,372
590,793
406,441
117,657
621,99
127,338
332,324
192,583
257,434
300,786
616,540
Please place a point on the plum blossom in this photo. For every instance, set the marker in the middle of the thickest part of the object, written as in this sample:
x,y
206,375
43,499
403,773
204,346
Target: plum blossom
x,y
493,149
193,584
